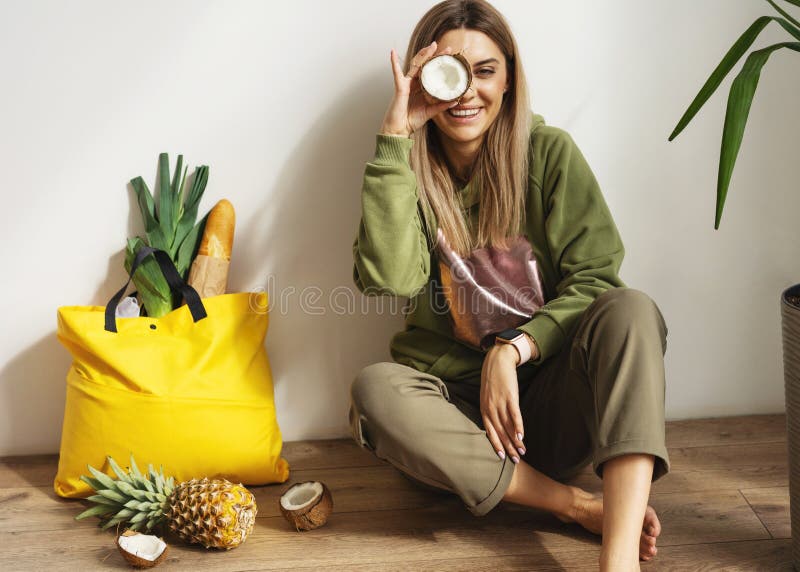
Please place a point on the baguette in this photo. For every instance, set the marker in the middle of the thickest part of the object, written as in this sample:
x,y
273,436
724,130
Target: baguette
x,y
209,272
217,239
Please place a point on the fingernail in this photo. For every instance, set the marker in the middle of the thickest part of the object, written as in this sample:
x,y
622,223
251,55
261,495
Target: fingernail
x,y
519,436
521,451
515,459
501,454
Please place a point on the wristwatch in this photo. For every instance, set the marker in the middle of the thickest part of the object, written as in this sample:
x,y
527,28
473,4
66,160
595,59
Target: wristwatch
x,y
517,339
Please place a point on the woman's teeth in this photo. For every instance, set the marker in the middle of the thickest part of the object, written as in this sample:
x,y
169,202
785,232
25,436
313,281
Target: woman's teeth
x,y
463,112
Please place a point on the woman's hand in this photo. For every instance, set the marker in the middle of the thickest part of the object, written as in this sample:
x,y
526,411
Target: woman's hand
x,y
409,110
500,401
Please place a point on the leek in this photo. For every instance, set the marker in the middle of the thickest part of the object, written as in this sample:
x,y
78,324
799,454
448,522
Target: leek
x,y
172,227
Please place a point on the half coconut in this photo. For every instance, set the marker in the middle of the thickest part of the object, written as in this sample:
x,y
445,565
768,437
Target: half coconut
x,y
307,505
446,77
141,550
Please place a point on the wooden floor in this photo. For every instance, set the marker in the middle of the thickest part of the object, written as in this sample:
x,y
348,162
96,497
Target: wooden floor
x,y
724,506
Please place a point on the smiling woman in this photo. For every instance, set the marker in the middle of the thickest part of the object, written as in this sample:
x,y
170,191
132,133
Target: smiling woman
x,y
477,202
450,149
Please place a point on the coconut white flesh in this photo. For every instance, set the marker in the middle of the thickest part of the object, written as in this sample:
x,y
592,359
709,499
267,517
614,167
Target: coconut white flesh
x,y
300,496
444,77
144,546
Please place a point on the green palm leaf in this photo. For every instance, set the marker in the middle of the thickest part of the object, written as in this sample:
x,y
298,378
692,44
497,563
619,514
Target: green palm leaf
x,y
715,79
726,65
784,13
741,93
739,101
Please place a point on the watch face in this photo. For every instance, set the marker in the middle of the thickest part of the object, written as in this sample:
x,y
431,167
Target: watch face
x,y
510,334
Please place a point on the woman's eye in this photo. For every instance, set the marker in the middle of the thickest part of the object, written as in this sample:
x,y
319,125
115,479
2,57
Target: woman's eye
x,y
485,71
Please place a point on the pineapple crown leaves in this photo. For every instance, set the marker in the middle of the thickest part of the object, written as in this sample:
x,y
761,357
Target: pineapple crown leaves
x,y
133,497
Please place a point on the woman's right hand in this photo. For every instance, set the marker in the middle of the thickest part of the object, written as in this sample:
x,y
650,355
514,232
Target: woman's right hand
x,y
409,109
499,402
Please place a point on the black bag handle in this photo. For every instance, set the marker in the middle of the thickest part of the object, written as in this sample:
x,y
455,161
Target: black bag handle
x,y
176,284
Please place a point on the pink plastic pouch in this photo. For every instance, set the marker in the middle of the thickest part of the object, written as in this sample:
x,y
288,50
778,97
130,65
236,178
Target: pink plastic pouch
x,y
489,291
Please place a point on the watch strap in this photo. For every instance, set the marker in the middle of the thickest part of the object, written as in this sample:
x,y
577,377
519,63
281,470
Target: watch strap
x,y
519,341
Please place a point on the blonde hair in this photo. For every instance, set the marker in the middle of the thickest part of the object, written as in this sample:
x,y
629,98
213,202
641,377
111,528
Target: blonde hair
x,y
500,170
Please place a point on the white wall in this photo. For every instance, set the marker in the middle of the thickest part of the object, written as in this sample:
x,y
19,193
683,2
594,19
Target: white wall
x,y
282,100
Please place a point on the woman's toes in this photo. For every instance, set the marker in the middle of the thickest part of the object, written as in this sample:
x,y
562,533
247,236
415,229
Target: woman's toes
x,y
647,553
652,525
644,556
647,547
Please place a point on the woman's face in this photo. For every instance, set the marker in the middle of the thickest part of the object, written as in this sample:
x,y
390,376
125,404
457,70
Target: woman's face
x,y
471,118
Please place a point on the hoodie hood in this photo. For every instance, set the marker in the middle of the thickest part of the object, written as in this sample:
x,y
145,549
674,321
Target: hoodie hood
x,y
536,121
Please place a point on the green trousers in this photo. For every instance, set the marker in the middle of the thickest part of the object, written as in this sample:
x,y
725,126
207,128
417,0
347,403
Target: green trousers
x,y
600,397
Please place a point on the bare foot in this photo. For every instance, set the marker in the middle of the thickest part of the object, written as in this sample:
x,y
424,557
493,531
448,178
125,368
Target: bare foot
x,y
589,514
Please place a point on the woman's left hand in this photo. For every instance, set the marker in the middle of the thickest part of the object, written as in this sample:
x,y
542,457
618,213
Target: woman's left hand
x,y
500,401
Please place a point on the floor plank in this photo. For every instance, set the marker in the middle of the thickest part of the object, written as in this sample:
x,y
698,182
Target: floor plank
x,y
771,505
28,471
726,430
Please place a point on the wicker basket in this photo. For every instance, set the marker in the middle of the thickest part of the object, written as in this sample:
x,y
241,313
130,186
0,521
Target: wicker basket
x,y
790,316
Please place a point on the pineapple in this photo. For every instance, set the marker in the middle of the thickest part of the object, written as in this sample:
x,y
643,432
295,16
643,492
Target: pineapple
x,y
213,512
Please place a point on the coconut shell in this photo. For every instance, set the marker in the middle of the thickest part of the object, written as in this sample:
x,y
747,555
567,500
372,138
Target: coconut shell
x,y
313,515
136,561
467,67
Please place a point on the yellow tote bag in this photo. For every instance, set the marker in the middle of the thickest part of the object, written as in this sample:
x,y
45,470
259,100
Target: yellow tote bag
x,y
191,391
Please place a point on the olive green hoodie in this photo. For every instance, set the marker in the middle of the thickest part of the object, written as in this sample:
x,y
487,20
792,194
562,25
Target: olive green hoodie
x,y
568,223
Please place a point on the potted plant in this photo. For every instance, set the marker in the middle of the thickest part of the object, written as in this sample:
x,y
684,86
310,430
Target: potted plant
x,y
739,100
